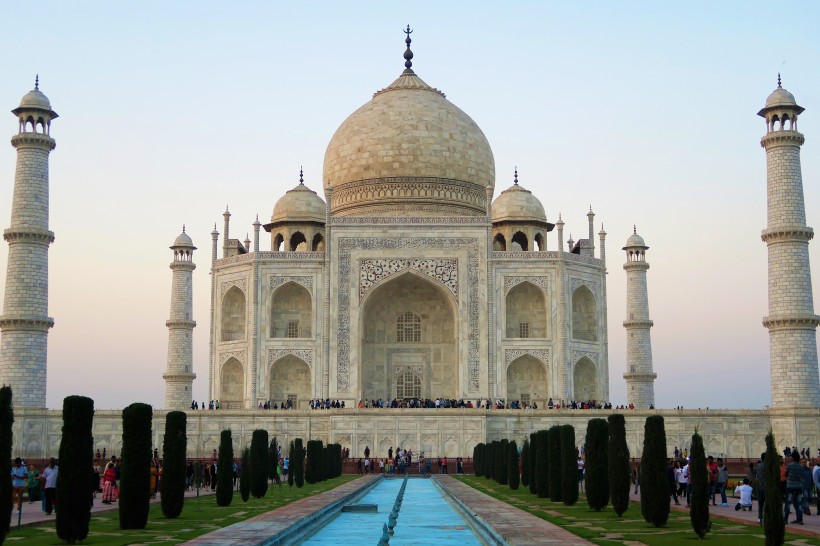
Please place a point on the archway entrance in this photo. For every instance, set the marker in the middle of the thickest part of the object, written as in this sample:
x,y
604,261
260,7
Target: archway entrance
x,y
526,380
585,379
408,347
290,380
232,385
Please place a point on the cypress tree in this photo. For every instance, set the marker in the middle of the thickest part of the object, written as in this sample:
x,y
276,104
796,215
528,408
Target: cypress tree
x,y
245,475
554,461
533,457
273,460
774,526
596,480
569,466
477,459
513,477
174,448
297,463
503,464
259,463
291,471
135,466
654,486
6,440
699,499
542,464
618,464
74,480
324,467
488,463
338,459
224,470
525,463
314,461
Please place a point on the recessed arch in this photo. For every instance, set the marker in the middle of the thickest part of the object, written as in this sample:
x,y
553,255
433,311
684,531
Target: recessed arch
x,y
291,312
290,379
526,312
232,384
585,380
499,242
584,320
233,315
278,243
520,238
527,380
318,243
540,243
298,242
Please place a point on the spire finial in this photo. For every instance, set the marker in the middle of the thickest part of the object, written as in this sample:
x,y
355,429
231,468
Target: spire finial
x,y
301,176
778,81
408,55
37,82
634,230
515,180
183,228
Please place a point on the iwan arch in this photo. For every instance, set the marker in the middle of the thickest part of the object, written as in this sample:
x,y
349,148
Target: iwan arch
x,y
407,279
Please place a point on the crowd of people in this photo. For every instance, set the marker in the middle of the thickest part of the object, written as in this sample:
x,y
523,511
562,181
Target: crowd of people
x,y
401,462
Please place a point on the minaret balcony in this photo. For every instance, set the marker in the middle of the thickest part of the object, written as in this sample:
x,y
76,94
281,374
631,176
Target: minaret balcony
x,y
782,138
38,140
782,234
16,322
180,323
639,376
638,323
791,322
28,235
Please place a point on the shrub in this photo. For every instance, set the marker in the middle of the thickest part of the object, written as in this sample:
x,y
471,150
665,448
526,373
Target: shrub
x,y
6,440
513,478
654,485
336,455
477,459
596,479
525,463
774,527
489,461
174,448
135,466
297,463
224,470
74,481
291,471
259,463
503,464
245,475
569,466
699,498
542,464
618,464
273,461
554,462
532,455
314,461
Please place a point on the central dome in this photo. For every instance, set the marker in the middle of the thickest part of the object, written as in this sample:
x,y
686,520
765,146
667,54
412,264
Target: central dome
x,y
409,149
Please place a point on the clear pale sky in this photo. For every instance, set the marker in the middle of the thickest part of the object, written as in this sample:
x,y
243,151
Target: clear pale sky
x,y
647,111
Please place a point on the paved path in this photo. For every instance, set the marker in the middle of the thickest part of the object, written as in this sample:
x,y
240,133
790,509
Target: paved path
x,y
513,524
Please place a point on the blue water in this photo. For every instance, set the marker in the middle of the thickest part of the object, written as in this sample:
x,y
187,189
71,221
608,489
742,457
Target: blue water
x,y
425,518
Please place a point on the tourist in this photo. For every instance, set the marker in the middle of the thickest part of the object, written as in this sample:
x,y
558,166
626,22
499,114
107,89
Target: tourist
x,y
366,452
18,482
580,473
745,492
109,484
444,462
33,484
760,483
381,466
367,466
677,453
815,473
96,479
722,478
672,479
636,476
50,477
460,465
680,480
711,473
794,489
428,465
688,480
807,485
359,466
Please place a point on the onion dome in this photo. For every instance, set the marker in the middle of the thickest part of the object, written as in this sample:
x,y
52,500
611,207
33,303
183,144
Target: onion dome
x,y
35,100
779,99
518,204
635,240
301,204
409,149
183,241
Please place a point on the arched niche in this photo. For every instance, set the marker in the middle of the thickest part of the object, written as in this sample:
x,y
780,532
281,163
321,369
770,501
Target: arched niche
x,y
389,342
298,242
526,379
290,379
291,313
520,239
278,243
318,243
233,315
540,243
499,242
232,384
584,321
526,312
585,380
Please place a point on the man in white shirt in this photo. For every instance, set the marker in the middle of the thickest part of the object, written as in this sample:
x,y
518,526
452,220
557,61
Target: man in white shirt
x,y
50,477
745,492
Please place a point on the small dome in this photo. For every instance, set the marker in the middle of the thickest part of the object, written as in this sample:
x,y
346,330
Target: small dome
x,y
301,204
183,240
35,99
517,203
780,97
635,240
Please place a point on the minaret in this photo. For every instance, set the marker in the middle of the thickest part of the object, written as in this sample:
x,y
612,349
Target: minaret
x,y
640,378
25,321
791,321
179,376
591,239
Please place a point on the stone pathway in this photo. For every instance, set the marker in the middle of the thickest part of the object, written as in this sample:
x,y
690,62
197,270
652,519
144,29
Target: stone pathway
x,y
515,526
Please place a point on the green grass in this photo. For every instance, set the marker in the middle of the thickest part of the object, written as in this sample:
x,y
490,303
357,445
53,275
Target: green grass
x,y
198,518
607,529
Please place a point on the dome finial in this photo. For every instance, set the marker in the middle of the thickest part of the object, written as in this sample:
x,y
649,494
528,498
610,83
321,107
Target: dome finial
x,y
37,82
515,180
183,228
408,55
301,176
778,81
634,230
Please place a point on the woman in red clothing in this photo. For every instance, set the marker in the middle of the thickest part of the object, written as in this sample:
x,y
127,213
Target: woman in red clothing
x,y
109,484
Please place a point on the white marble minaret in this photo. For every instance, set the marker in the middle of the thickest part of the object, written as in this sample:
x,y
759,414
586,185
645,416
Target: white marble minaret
x,y
791,321
179,377
25,321
640,377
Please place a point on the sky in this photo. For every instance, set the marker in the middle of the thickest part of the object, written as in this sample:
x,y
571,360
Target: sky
x,y
644,110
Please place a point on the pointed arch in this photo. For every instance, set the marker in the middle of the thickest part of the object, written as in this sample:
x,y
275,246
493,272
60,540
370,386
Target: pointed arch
x,y
318,243
499,242
278,243
232,384
291,312
290,379
526,312
520,238
298,242
584,315
233,315
540,243
527,379
585,380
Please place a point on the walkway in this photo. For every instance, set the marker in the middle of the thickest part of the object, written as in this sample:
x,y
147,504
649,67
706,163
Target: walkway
x,y
515,526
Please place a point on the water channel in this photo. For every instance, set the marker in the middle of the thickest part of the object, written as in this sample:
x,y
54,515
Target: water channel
x,y
426,517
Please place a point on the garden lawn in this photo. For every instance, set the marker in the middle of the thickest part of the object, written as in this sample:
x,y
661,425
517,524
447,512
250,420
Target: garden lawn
x,y
198,518
607,529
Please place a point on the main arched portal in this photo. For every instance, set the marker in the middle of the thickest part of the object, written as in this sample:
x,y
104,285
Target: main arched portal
x,y
408,333
290,380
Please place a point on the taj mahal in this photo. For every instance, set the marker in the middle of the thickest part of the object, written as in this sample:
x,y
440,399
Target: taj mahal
x,y
404,274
